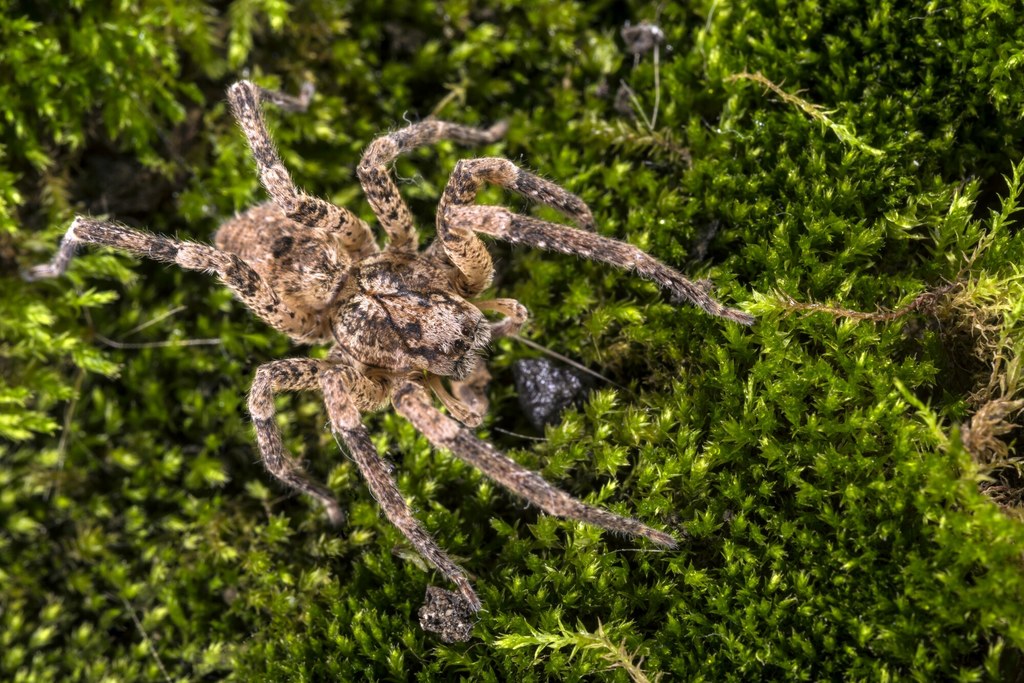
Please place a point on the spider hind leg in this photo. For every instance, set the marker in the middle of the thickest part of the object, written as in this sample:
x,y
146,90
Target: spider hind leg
x,y
244,98
346,424
413,403
295,374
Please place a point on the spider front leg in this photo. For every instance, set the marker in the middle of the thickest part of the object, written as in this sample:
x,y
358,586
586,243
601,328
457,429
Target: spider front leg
x,y
458,218
463,248
515,314
472,393
347,425
295,374
411,401
380,189
245,282
356,237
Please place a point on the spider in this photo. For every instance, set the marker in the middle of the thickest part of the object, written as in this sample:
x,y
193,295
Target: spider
x,y
400,320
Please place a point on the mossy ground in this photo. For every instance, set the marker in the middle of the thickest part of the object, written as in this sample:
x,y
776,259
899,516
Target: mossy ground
x,y
837,524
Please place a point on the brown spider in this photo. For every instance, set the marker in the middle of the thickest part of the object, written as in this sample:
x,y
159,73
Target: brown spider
x,y
400,319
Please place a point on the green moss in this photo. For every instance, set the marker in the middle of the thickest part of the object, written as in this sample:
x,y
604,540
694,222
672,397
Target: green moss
x,y
836,529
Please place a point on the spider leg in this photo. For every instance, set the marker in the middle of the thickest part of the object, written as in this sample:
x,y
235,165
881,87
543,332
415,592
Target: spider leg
x,y
515,314
458,218
245,282
469,403
463,248
472,391
412,402
470,175
294,374
381,190
346,423
355,234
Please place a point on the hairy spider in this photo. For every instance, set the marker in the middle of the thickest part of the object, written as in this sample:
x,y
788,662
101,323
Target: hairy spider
x,y
400,319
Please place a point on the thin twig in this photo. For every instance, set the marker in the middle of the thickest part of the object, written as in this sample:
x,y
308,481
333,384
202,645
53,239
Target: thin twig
x,y
657,87
516,434
154,321
922,300
711,14
145,637
568,361
156,344
62,445
636,105
114,344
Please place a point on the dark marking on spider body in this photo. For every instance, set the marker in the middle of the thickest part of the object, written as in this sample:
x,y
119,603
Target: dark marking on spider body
x,y
402,322
405,319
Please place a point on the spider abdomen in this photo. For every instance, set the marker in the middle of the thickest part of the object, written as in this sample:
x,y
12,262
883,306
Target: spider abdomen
x,y
404,318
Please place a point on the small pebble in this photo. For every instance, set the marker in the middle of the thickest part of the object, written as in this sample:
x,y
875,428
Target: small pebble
x,y
447,614
546,389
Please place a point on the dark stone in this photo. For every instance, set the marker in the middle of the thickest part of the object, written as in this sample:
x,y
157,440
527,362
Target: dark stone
x,y
447,614
547,388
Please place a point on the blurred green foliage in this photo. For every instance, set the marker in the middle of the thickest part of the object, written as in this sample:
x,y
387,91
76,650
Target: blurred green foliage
x,y
835,523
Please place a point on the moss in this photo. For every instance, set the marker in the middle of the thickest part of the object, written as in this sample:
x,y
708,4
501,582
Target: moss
x,y
836,526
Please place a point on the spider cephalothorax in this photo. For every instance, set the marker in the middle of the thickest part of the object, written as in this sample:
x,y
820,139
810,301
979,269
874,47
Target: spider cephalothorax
x,y
403,317
402,321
